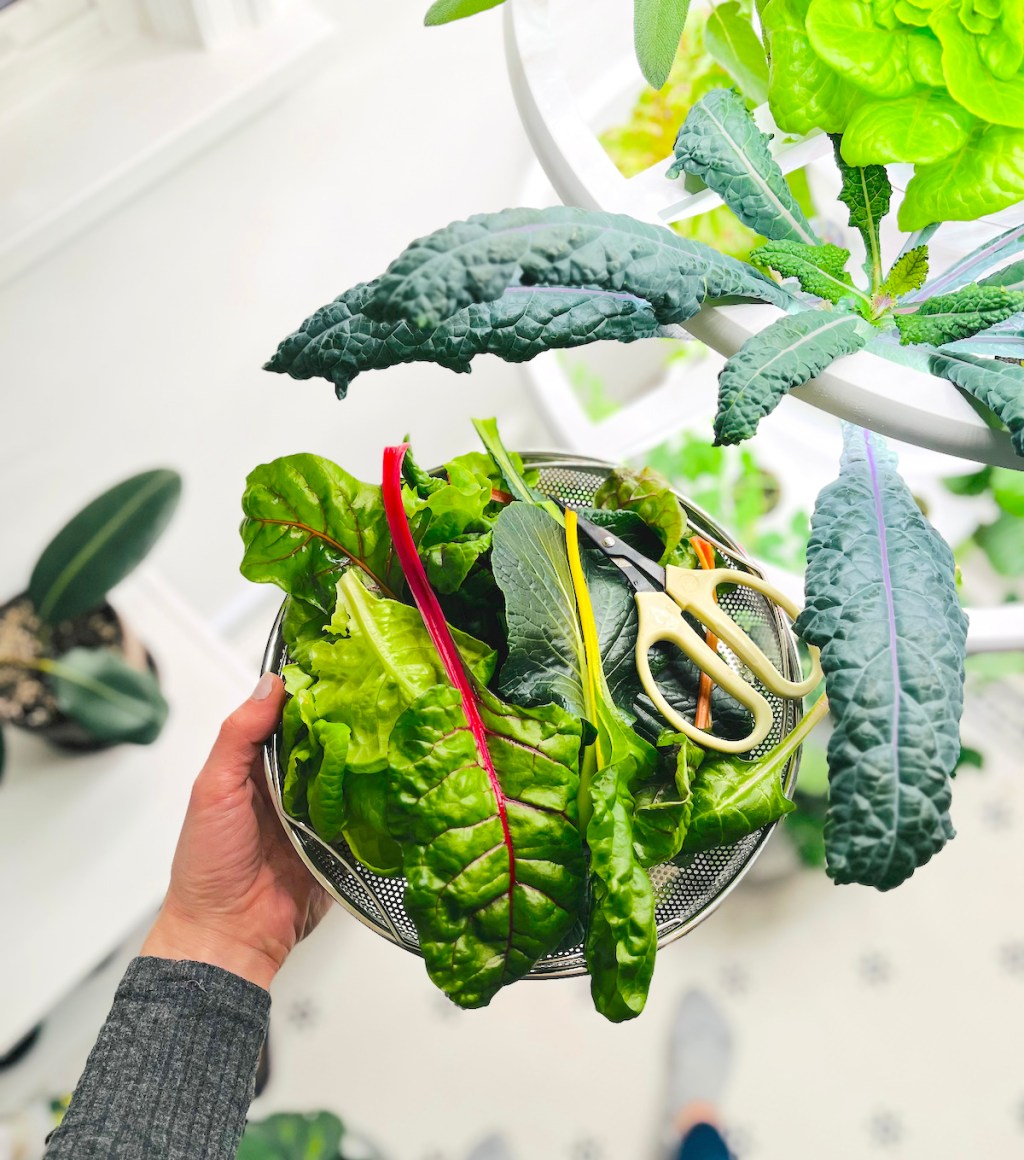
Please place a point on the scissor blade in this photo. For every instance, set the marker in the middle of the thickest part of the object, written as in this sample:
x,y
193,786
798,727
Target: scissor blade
x,y
643,574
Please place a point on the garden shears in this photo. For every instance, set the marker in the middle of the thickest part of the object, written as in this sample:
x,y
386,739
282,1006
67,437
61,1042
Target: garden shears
x,y
664,596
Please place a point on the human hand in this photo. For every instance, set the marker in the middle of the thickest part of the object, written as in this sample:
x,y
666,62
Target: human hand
x,y
240,897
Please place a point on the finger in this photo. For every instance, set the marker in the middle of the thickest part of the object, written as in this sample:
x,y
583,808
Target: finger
x,y
238,744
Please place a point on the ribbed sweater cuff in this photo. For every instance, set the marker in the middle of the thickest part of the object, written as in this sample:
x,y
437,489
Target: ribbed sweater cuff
x,y
173,1070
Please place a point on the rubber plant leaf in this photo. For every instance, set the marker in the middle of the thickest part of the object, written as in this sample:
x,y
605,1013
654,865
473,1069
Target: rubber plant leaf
x,y
657,29
730,38
881,604
306,519
962,314
649,494
786,354
111,700
477,260
292,1136
102,544
621,939
445,11
484,803
909,272
733,798
340,341
720,143
866,193
820,270
999,386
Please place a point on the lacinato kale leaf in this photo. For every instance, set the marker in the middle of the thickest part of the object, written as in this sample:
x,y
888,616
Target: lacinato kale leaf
x,y
882,606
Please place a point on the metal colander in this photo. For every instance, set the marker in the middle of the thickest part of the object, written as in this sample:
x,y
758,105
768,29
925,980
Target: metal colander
x,y
684,895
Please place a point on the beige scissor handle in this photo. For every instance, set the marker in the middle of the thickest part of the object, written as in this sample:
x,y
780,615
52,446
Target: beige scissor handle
x,y
660,620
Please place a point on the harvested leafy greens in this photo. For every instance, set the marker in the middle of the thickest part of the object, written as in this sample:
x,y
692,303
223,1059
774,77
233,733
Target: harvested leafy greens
x,y
523,787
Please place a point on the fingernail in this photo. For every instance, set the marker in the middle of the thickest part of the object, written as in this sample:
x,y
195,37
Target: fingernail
x,y
264,687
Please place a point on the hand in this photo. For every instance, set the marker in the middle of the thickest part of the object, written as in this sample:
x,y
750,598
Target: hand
x,y
240,897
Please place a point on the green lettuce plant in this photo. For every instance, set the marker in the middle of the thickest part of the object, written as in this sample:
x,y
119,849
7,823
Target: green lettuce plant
x,y
935,83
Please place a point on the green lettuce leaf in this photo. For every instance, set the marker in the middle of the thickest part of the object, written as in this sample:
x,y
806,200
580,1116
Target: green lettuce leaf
x,y
494,880
720,143
305,520
786,354
882,606
959,315
969,77
445,11
820,270
649,494
924,127
325,797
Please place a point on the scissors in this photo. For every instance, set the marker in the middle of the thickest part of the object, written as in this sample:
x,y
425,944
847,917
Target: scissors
x,y
663,595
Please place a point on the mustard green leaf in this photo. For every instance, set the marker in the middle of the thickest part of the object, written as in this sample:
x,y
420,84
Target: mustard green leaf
x,y
784,355
720,143
495,873
881,604
657,29
961,314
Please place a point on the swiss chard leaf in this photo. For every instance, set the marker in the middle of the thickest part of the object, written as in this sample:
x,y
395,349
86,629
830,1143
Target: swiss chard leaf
x,y
650,495
820,270
339,341
657,29
959,315
999,386
866,193
784,355
882,607
495,875
720,143
305,520
477,260
730,38
663,809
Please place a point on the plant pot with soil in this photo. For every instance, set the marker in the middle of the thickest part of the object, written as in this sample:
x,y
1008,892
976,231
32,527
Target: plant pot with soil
x,y
71,670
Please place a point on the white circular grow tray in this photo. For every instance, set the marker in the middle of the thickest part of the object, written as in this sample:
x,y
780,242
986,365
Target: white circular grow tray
x,y
557,112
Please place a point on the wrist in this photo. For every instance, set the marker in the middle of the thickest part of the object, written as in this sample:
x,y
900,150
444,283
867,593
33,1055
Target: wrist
x,y
180,939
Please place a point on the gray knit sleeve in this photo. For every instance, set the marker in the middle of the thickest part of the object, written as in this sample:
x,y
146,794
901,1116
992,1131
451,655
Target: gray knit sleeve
x,y
173,1070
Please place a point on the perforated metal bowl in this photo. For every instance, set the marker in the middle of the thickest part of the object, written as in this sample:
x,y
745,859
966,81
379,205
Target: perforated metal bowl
x,y
684,895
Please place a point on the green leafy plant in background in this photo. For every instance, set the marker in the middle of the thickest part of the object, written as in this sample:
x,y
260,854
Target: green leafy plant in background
x,y
111,700
1001,540
301,1136
935,83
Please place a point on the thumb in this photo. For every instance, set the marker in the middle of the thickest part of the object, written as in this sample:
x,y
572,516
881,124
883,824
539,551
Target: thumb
x,y
242,735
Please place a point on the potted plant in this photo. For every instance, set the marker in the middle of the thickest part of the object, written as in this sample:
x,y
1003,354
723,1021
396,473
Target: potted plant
x,y
71,670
